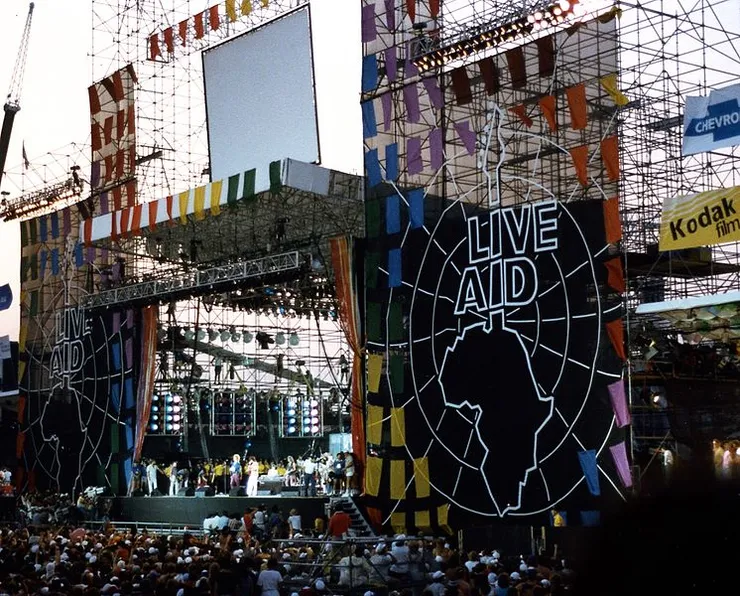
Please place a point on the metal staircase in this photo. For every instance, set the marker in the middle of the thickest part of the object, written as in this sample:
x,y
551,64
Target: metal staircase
x,y
360,527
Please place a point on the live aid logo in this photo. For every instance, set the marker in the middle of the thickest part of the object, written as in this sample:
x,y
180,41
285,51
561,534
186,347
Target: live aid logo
x,y
501,250
67,355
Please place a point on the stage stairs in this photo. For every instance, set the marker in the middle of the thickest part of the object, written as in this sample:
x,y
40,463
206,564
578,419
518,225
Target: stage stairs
x,y
359,526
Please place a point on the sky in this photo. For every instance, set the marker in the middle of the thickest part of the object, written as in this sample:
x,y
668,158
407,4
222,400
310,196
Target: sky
x,y
54,105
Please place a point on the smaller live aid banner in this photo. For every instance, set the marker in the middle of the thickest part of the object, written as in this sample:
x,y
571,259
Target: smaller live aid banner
x,y
712,122
702,219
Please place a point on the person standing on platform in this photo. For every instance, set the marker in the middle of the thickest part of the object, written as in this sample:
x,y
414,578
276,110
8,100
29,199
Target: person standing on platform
x,y
236,471
339,481
253,470
309,477
151,477
174,480
349,473
218,477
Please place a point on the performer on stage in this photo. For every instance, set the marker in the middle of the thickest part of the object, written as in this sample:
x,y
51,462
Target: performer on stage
x,y
151,477
291,472
236,471
219,476
309,477
137,473
174,481
253,469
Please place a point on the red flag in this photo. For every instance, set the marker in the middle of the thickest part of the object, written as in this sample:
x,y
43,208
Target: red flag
x,y
154,47
213,17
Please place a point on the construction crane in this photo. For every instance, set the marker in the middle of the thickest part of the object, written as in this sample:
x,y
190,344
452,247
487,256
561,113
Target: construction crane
x,y
12,104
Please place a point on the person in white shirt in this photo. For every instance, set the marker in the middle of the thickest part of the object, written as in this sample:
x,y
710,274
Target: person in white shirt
x,y
253,469
400,554
309,477
260,520
349,473
354,570
438,586
294,522
380,562
269,580
151,477
174,480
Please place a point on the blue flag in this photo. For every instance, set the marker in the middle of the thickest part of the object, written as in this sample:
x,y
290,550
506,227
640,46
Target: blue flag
x,y
6,297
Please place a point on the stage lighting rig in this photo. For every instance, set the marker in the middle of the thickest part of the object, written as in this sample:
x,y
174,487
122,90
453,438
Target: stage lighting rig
x,y
548,16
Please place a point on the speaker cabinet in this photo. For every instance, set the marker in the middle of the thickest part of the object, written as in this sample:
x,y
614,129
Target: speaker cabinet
x,y
186,492
205,491
237,492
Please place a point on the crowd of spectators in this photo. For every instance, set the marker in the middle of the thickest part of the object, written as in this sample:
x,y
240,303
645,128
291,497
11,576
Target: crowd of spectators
x,y
65,559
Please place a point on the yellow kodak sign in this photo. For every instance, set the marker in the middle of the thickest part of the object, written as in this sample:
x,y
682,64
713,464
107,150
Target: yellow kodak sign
x,y
703,219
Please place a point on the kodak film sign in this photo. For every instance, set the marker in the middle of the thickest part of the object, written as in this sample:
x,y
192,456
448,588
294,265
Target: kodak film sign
x,y
703,219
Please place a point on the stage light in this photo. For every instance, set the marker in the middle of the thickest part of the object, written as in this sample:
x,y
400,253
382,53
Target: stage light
x,y
155,417
291,412
294,340
314,412
176,409
225,335
280,338
169,427
212,335
154,427
155,398
189,335
155,408
247,337
176,427
291,420
169,399
306,420
177,399
235,336
169,408
306,430
314,403
315,420
161,334
201,334
314,429
291,430
564,4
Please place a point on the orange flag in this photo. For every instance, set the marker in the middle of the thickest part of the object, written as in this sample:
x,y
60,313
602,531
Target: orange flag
x,y
213,19
577,105
199,25
169,40
521,112
616,335
612,222
615,274
547,105
610,156
154,47
579,155
182,30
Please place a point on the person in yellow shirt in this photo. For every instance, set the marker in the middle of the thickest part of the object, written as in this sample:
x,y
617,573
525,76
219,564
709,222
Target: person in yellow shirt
x,y
263,467
219,471
557,519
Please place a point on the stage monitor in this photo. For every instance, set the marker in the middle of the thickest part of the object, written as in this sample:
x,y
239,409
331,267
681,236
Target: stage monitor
x,y
260,98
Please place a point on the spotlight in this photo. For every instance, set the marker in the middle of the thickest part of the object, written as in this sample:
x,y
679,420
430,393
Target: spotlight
x,y
201,334
212,335
247,337
280,339
189,335
225,335
235,336
293,340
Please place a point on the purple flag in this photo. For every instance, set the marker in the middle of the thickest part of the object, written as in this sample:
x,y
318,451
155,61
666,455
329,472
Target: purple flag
x,y
436,148
466,135
411,68
390,14
386,101
619,455
411,99
130,318
369,31
116,322
619,403
413,155
129,352
66,222
391,64
434,92
90,254
104,255
104,203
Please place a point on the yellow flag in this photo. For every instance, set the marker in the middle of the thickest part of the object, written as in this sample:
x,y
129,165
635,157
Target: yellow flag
x,y
609,83
231,9
374,368
199,203
183,198
246,7
216,197
265,3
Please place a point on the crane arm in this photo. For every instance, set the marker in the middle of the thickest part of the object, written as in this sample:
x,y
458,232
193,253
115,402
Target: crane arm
x,y
12,104
16,83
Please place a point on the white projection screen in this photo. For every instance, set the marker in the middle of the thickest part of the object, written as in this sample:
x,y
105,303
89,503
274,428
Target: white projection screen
x,y
260,98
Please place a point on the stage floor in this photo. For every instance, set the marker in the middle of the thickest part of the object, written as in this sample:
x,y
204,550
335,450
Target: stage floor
x,y
193,510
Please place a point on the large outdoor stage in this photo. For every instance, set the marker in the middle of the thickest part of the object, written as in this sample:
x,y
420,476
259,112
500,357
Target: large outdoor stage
x,y
193,510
